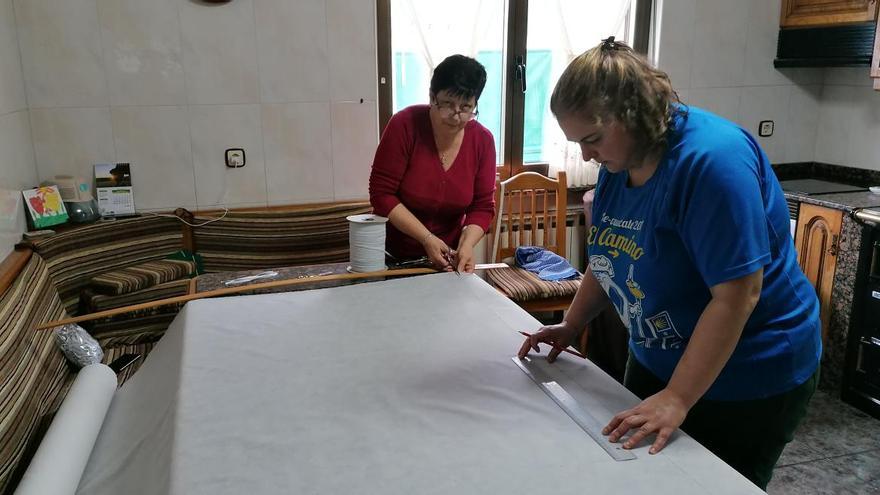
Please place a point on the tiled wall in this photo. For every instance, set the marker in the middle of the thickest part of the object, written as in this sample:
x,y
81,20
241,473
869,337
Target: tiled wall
x,y
17,170
168,85
849,127
719,55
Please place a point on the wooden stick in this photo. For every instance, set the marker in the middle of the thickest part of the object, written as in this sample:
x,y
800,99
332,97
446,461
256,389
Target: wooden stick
x,y
246,288
235,290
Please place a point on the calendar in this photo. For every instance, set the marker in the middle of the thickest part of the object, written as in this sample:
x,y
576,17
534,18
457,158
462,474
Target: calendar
x,y
113,189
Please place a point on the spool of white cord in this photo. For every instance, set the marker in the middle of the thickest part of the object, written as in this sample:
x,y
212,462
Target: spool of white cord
x,y
366,242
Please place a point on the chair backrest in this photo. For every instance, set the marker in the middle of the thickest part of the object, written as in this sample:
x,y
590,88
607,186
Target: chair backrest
x,y
531,211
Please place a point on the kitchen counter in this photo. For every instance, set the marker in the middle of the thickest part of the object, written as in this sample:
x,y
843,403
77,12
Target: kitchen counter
x,y
862,208
840,201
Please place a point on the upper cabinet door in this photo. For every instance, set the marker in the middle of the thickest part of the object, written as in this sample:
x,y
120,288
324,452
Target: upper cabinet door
x,y
804,13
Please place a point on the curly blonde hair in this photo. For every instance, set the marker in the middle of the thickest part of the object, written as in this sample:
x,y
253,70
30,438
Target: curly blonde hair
x,y
611,81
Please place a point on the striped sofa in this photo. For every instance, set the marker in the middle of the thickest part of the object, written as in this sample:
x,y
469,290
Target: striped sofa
x,y
248,240
48,277
74,257
34,373
103,254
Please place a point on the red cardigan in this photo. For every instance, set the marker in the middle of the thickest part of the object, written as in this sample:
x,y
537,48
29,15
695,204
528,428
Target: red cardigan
x,y
407,169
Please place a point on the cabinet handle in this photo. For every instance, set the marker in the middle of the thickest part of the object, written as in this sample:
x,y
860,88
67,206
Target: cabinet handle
x,y
835,245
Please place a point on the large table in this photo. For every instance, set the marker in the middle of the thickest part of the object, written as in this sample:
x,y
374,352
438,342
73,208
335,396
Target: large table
x,y
395,387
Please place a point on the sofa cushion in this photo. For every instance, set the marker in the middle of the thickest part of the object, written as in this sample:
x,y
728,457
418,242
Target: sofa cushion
x,y
34,372
522,285
133,327
73,257
141,276
247,240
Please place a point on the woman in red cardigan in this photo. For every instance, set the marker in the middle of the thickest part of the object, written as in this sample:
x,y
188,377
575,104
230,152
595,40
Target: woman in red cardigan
x,y
434,171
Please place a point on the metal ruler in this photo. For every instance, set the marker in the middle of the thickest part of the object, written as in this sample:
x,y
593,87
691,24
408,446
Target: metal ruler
x,y
571,407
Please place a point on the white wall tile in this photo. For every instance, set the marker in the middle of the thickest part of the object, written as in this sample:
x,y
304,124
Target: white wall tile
x,y
219,52
351,38
355,136
803,123
296,140
759,103
864,132
12,220
17,170
848,76
835,124
216,128
804,75
722,101
142,51
156,141
719,44
11,81
676,41
292,39
61,53
762,32
71,140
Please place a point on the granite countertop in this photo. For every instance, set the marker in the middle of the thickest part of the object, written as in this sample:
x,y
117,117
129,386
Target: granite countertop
x,y
840,201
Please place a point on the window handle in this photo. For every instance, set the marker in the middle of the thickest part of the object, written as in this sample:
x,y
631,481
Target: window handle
x,y
520,72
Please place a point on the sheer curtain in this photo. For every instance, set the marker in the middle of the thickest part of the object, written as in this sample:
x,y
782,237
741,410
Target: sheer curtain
x,y
580,25
424,32
452,26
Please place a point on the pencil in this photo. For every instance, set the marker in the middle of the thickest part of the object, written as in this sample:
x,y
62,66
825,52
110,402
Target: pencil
x,y
566,349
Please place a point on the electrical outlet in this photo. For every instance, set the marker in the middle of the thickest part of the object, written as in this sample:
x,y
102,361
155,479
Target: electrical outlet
x,y
765,128
235,157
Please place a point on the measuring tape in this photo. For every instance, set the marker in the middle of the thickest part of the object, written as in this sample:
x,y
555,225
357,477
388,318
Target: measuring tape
x,y
571,407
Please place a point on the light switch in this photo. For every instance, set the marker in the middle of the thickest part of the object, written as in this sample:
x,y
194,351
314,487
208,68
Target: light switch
x,y
235,157
765,128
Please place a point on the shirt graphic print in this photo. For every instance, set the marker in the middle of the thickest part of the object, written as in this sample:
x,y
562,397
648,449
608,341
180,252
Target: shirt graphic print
x,y
618,242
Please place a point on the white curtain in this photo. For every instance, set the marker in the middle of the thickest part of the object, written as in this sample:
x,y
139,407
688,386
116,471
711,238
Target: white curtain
x,y
582,24
452,26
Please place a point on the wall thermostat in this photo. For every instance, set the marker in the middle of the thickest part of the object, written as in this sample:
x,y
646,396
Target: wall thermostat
x,y
765,128
235,157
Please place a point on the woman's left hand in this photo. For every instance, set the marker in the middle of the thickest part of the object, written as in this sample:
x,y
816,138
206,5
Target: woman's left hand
x,y
660,413
464,259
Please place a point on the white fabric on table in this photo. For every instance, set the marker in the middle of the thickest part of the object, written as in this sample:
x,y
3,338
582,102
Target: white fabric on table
x,y
403,386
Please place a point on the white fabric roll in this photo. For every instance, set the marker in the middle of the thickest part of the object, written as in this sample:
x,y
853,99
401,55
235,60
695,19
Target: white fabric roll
x,y
62,456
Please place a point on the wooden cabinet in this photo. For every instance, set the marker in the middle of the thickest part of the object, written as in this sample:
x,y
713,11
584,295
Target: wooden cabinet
x,y
818,241
812,13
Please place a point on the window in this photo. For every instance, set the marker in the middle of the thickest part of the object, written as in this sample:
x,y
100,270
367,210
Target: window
x,y
512,39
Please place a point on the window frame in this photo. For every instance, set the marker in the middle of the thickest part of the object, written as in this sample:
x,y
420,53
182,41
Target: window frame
x,y
516,25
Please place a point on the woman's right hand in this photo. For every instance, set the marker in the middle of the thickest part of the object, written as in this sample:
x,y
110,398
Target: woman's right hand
x,y
438,252
559,337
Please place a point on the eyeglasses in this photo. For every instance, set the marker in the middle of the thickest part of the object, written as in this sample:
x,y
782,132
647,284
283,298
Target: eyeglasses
x,y
447,110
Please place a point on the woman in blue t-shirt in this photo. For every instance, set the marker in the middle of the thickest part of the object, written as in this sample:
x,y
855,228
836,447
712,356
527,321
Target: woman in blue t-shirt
x,y
690,243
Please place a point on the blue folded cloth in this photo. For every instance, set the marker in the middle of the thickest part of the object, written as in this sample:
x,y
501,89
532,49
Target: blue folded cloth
x,y
546,264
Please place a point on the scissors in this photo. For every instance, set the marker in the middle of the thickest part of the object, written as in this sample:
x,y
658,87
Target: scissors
x,y
450,258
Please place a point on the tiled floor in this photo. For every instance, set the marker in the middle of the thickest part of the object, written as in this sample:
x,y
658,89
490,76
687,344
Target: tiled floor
x,y
836,450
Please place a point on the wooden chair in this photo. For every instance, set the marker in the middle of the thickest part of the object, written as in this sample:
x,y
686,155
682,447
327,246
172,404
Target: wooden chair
x,y
530,211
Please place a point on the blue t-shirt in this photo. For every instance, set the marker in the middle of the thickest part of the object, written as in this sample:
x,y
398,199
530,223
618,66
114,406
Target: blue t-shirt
x,y
712,212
